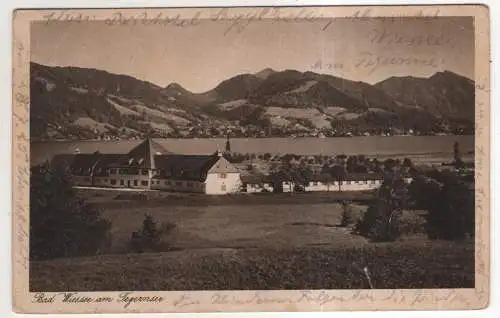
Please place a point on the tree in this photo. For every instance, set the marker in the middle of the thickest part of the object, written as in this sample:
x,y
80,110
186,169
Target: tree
x,y
390,165
458,163
407,163
352,163
297,176
376,166
451,210
301,176
424,192
339,174
341,159
148,238
346,217
61,223
327,178
381,222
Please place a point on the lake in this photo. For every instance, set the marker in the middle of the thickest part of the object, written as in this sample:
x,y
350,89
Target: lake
x,y
413,146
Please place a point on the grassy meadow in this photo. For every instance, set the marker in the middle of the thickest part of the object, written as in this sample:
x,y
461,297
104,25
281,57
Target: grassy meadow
x,y
271,242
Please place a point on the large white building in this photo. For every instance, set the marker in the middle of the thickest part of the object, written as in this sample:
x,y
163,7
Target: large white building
x,y
150,166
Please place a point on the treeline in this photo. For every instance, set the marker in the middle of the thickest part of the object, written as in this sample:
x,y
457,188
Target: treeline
x,y
352,164
448,198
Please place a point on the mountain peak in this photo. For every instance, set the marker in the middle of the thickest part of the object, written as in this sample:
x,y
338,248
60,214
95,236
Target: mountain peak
x,y
263,74
448,75
174,86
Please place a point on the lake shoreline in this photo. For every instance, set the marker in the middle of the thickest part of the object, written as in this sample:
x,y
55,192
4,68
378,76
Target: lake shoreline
x,y
243,138
381,147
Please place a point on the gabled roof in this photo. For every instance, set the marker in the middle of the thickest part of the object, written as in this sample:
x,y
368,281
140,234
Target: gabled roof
x,y
84,164
255,178
109,161
188,167
143,154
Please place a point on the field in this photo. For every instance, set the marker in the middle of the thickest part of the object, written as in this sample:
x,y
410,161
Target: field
x,y
265,244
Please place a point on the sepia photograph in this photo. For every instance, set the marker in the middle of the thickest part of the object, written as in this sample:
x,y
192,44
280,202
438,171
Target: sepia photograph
x,y
257,151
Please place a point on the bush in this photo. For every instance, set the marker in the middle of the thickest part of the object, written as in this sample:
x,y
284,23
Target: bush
x,y
61,223
382,220
379,225
450,205
452,217
149,237
347,217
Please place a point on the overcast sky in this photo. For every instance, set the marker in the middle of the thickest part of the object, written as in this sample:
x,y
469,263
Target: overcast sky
x,y
199,57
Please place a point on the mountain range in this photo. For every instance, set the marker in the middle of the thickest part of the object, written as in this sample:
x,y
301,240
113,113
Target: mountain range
x,y
84,103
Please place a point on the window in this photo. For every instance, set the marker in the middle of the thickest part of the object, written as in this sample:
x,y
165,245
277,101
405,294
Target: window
x,y
87,179
122,182
189,184
167,182
178,183
223,187
113,181
314,183
365,182
373,182
222,175
122,171
348,182
135,182
144,183
144,171
112,171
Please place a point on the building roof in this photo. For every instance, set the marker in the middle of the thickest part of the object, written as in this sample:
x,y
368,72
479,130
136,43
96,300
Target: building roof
x,y
110,161
255,178
141,156
186,167
84,164
144,153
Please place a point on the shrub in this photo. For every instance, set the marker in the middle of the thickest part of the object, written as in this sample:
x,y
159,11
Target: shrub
x,y
452,217
347,217
382,220
149,237
449,202
379,225
61,223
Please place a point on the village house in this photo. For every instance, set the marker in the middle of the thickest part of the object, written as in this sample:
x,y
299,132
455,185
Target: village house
x,y
150,166
256,183
350,182
317,182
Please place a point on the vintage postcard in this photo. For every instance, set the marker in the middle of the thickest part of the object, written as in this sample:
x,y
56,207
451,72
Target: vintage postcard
x,y
251,159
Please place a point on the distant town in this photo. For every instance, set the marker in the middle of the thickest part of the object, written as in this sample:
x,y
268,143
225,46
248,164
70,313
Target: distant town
x,y
235,130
